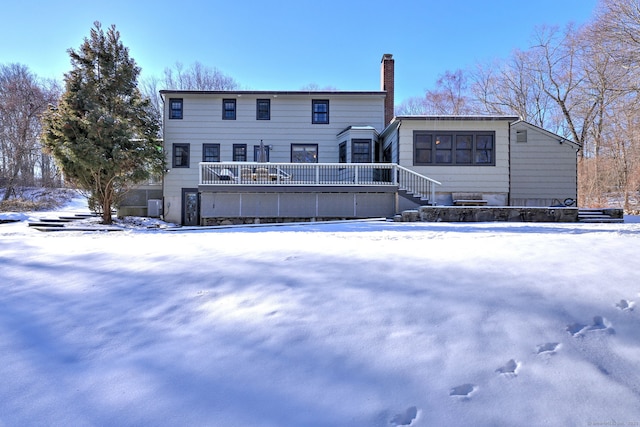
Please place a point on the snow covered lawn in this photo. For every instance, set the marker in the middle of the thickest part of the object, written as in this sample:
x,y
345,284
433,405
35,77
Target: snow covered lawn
x,y
360,324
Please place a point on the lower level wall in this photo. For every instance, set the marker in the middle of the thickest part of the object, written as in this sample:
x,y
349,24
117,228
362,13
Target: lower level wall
x,y
135,203
215,205
244,221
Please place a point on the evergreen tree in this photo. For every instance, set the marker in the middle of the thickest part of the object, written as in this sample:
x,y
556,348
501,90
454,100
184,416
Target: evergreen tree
x,y
103,133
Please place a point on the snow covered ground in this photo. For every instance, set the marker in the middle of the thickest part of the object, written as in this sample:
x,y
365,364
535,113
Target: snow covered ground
x,y
353,324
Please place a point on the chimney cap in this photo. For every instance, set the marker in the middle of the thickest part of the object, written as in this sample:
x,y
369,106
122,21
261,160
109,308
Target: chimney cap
x,y
386,56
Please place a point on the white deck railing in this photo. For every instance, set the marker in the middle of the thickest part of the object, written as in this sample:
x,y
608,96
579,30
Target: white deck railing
x,y
416,184
317,174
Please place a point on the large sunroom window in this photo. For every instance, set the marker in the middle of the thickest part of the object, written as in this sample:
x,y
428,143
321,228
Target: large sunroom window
x,y
453,148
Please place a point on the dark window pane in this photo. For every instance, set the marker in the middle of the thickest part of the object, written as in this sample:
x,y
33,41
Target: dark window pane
x,y
211,152
422,148
258,156
304,153
484,149
229,109
320,110
361,151
444,152
263,109
175,108
180,155
464,149
239,152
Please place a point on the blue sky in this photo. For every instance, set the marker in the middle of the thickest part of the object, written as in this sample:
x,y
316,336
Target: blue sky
x,y
285,45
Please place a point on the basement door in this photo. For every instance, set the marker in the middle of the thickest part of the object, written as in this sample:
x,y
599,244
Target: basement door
x,y
190,206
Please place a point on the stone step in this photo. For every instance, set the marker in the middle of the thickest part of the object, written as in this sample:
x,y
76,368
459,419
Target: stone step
x,y
46,224
48,228
607,220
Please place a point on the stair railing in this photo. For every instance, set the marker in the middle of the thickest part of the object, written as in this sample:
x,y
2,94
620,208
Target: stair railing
x,y
416,184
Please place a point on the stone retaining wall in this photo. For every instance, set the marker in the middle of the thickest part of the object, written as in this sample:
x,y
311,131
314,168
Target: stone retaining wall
x,y
489,214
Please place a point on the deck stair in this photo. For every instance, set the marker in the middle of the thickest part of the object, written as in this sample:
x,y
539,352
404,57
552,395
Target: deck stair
x,y
416,198
597,216
415,187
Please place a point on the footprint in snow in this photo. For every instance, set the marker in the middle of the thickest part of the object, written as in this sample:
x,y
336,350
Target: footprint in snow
x,y
509,368
575,328
599,324
625,305
548,348
406,418
464,390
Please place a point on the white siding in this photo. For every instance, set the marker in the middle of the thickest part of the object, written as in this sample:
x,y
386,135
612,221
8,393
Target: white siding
x,y
290,123
542,169
481,179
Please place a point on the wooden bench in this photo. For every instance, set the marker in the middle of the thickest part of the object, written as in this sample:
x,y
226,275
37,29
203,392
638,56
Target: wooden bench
x,y
468,199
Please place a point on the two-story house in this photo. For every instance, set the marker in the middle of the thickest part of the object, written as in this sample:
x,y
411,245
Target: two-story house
x,y
299,155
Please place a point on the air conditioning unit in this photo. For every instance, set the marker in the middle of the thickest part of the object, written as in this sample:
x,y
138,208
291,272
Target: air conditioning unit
x,y
154,208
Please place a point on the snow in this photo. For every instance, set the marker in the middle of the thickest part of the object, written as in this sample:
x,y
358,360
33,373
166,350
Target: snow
x,y
346,324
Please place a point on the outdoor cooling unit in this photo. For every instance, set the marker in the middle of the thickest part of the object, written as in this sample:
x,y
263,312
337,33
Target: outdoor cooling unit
x,y
154,208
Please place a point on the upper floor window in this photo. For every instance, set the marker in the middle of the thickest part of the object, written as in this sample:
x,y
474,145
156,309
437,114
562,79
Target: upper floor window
x,y
361,151
304,153
180,158
175,108
263,109
457,148
320,111
239,152
228,109
210,152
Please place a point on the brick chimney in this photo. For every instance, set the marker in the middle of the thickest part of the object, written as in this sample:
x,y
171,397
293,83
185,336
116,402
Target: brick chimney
x,y
386,84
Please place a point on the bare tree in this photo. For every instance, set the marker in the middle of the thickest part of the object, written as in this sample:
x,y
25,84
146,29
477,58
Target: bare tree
x,y
22,100
559,69
150,88
450,95
314,87
413,106
510,87
196,77
612,69
618,25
